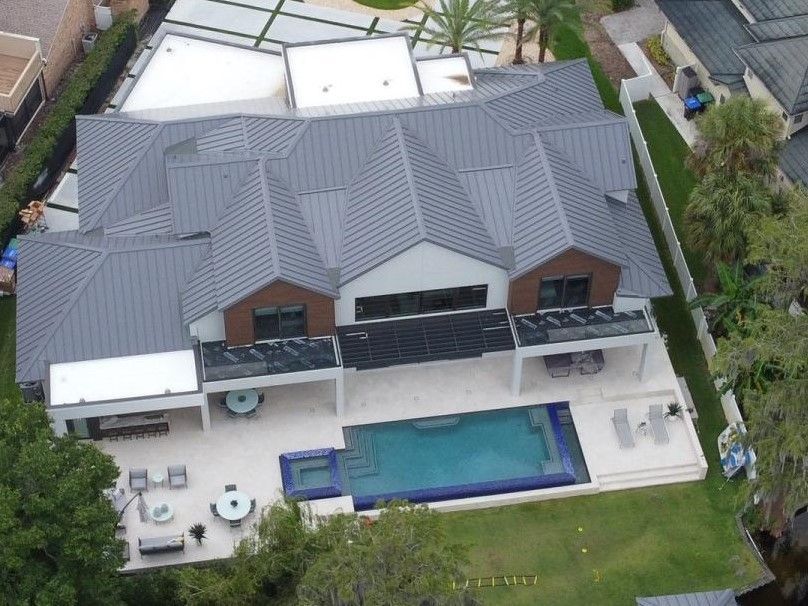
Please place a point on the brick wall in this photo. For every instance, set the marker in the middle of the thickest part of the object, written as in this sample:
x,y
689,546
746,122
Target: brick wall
x,y
77,20
523,295
121,6
238,319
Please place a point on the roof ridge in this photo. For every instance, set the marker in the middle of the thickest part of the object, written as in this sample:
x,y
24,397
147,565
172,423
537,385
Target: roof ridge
x,y
402,143
56,322
553,188
269,217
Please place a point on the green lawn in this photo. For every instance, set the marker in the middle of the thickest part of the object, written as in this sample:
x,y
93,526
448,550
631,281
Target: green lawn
x,y
639,542
386,5
668,151
8,386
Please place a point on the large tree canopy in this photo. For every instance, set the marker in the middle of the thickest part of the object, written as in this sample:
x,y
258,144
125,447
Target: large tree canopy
x,y
739,136
58,543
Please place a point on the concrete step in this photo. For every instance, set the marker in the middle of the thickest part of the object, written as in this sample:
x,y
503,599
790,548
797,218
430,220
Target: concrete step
x,y
651,477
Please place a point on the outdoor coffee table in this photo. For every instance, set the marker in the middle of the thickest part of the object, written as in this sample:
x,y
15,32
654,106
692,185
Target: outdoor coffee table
x,y
161,512
242,401
233,505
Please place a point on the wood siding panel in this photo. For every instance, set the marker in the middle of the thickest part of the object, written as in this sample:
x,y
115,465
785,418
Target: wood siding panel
x,y
238,319
523,295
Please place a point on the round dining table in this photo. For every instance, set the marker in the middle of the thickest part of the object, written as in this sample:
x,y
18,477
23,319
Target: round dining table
x,y
242,401
233,505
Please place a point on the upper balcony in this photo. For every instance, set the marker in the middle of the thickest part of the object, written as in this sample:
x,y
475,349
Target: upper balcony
x,y
20,65
221,363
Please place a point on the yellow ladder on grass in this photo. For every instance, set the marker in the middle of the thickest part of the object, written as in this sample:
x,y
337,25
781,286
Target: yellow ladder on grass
x,y
510,580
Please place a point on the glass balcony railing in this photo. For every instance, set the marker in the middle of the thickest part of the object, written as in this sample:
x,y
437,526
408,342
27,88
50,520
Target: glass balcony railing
x,y
544,328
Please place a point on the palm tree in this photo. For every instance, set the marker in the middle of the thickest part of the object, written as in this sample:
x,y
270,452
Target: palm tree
x,y
734,305
459,23
721,212
741,135
546,16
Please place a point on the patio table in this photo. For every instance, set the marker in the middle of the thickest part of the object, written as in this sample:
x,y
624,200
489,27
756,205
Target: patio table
x,y
162,512
242,401
230,511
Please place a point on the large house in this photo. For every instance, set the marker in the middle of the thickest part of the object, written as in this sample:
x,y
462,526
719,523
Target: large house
x,y
387,238
754,47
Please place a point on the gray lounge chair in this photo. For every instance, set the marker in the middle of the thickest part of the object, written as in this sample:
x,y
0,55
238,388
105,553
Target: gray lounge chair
x,y
177,476
235,523
138,479
623,429
657,420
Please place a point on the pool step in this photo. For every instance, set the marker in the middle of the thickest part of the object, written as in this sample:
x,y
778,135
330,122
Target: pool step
x,y
359,456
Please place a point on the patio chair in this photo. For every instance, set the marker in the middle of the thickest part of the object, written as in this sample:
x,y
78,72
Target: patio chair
x,y
260,397
558,365
214,510
252,505
222,402
251,413
657,420
235,523
177,476
623,429
229,487
138,479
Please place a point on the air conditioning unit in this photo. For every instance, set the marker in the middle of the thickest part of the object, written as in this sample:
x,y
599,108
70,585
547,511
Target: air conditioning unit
x,y
32,391
88,41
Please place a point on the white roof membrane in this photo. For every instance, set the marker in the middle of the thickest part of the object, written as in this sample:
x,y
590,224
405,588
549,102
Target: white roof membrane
x,y
444,74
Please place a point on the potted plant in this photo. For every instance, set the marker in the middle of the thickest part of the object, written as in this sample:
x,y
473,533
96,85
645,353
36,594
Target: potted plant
x,y
674,411
198,531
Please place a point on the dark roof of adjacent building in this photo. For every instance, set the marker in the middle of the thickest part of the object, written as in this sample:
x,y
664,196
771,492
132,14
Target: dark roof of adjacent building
x,y
763,10
181,218
35,18
712,29
782,65
705,598
776,29
794,157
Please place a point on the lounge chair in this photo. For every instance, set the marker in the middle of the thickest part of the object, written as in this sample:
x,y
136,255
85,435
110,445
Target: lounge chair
x,y
214,510
657,420
177,476
623,429
138,479
229,487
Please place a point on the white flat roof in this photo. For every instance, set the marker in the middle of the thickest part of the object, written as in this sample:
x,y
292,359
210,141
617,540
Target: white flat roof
x,y
351,71
185,71
124,377
444,74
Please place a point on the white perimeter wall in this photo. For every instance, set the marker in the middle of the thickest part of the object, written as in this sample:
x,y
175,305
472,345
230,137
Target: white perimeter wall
x,y
209,328
422,267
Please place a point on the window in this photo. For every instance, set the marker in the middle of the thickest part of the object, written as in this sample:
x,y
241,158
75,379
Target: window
x,y
564,291
421,302
280,322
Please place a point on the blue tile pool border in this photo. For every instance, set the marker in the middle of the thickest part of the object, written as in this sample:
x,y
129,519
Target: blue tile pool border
x,y
479,489
334,489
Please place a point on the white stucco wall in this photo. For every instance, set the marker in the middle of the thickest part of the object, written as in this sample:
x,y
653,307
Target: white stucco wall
x,y
682,56
209,328
422,267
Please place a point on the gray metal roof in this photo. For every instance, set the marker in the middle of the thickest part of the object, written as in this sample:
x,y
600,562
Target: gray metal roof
x,y
782,65
704,598
712,29
511,177
762,10
88,297
774,29
794,157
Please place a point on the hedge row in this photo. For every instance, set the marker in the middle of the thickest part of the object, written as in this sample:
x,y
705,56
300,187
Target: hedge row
x,y
14,192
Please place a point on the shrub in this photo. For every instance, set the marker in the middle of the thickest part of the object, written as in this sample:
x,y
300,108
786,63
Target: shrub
x,y
657,51
14,192
621,5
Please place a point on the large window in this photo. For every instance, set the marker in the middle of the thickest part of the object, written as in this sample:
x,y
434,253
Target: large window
x,y
564,291
280,322
421,302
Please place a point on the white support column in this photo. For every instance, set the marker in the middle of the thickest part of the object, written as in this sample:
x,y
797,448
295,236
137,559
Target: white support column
x,y
339,394
59,427
516,374
643,362
204,411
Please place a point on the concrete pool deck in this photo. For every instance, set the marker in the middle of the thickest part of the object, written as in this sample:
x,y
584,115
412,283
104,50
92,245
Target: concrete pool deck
x,y
301,417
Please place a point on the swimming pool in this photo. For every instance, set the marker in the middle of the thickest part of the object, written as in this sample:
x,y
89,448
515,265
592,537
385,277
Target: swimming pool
x,y
448,457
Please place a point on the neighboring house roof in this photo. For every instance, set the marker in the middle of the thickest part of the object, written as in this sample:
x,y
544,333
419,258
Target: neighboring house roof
x,y
774,29
782,65
511,176
35,18
704,598
794,157
88,297
762,10
712,29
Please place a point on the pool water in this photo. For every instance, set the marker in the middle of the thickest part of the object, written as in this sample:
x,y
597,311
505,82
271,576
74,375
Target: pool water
x,y
460,456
